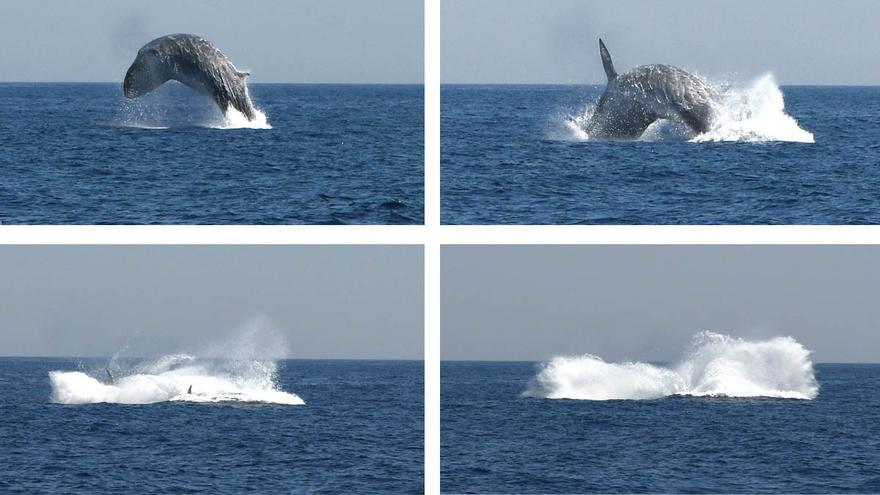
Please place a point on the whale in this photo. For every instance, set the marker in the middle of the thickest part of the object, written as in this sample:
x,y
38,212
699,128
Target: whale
x,y
633,101
195,62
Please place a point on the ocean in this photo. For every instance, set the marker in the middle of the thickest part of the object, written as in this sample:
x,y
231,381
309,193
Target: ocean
x,y
64,429
789,155
501,435
325,154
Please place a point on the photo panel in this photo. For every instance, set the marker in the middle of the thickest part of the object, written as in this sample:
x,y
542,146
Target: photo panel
x,y
223,112
659,369
647,113
215,369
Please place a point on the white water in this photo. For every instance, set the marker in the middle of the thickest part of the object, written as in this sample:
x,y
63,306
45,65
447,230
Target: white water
x,y
753,113
241,368
175,105
715,365
233,119
168,379
237,120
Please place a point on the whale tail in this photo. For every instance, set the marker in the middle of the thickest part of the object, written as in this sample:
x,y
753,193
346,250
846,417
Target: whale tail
x,y
606,62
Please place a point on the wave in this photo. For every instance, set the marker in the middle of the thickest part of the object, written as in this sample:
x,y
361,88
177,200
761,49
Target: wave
x,y
753,113
715,366
170,378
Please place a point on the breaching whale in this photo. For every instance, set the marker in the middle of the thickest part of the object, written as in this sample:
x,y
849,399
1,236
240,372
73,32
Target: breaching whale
x,y
633,101
194,62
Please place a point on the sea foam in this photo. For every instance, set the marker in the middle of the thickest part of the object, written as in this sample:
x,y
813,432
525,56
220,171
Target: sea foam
x,y
715,365
170,377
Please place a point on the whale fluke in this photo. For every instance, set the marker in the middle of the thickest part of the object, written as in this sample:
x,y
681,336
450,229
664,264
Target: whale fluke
x,y
194,62
633,101
606,61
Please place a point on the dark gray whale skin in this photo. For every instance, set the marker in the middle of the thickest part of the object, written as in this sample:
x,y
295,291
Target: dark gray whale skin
x,y
633,101
194,62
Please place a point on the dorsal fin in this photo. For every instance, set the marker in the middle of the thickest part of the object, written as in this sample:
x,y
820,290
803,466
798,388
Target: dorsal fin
x,y
606,62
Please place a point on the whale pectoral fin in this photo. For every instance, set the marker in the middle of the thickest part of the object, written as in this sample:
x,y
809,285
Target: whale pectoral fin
x,y
606,61
243,74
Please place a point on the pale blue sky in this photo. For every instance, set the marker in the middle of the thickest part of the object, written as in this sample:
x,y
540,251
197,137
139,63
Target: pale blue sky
x,y
555,41
646,302
353,302
306,41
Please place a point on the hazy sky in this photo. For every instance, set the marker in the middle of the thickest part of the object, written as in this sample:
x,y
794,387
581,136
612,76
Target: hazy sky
x,y
361,41
555,41
646,302
326,301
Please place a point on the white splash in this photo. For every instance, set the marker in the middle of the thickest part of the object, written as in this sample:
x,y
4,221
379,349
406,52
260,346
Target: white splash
x,y
241,368
170,378
175,105
716,365
755,113
237,120
571,127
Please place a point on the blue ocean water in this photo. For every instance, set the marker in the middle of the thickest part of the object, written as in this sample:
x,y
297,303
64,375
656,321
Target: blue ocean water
x,y
360,431
495,440
510,156
335,154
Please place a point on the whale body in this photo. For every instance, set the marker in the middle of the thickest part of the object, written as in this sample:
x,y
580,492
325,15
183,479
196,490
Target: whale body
x,y
633,101
194,62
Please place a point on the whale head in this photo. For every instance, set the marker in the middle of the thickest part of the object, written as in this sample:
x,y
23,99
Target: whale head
x,y
145,74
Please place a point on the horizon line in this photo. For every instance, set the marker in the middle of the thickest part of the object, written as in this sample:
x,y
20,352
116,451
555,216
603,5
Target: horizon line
x,y
815,85
649,362
421,83
160,355
5,81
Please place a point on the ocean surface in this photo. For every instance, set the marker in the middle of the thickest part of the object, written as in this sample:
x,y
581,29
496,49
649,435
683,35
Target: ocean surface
x,y
500,436
790,155
328,154
359,431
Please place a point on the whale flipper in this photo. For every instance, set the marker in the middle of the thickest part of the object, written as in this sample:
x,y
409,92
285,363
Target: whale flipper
x,y
606,61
